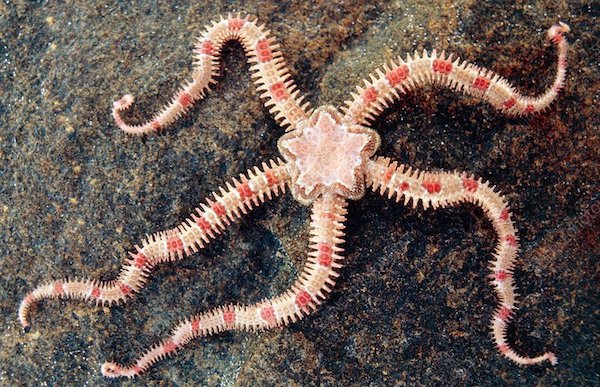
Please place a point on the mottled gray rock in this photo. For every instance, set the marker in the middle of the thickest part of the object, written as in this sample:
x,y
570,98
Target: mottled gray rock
x,y
411,306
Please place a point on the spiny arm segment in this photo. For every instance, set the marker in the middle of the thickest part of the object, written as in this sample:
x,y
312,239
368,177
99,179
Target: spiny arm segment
x,y
316,280
267,65
446,189
423,69
210,219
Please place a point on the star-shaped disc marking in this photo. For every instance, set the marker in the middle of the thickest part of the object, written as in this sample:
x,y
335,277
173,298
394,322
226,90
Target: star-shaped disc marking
x,y
326,155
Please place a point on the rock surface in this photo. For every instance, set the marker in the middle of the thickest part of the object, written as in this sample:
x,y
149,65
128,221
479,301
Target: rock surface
x,y
412,305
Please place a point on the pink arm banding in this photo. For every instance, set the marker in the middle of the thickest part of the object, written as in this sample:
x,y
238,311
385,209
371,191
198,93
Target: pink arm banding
x,y
309,290
267,65
382,89
443,189
210,219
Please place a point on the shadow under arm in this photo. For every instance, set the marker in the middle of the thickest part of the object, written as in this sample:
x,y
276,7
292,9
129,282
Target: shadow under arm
x,y
210,219
268,67
443,189
301,299
394,79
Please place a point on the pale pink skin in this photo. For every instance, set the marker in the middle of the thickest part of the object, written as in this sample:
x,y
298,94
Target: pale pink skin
x,y
329,159
327,154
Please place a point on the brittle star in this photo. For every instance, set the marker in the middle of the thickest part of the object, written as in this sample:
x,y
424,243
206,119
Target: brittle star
x,y
329,159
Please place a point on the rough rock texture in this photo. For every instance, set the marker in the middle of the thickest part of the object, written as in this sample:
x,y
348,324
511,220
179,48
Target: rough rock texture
x,y
412,305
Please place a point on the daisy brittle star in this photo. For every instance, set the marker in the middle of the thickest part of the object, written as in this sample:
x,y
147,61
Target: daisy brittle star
x,y
329,159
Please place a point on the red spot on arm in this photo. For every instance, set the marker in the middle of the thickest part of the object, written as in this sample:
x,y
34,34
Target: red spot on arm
x,y
325,248
175,244
236,23
324,258
195,326
432,186
557,38
509,103
504,214
404,186
279,91
481,83
470,184
185,99
370,94
58,288
169,347
207,47
504,313
500,275
229,316
125,289
263,49
203,223
302,299
268,314
397,75
442,66
511,240
271,178
156,125
244,191
140,260
388,173
96,293
529,109
328,215
219,209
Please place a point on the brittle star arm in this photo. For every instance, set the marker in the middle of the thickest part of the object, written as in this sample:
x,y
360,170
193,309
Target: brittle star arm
x,y
210,219
268,67
444,189
309,290
424,69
